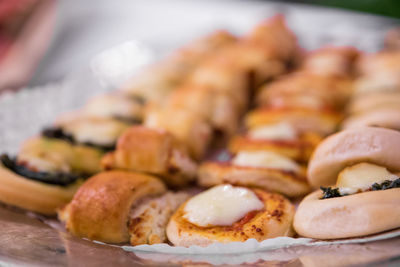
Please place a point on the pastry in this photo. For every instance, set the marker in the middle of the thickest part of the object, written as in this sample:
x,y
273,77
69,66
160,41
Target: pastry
x,y
216,107
227,213
365,144
368,102
330,61
260,169
281,138
381,117
303,120
190,129
38,191
101,208
152,151
358,171
306,90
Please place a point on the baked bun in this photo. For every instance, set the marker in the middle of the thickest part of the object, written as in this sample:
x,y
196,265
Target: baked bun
x,y
289,183
303,120
273,220
348,216
100,209
33,195
152,151
383,117
365,144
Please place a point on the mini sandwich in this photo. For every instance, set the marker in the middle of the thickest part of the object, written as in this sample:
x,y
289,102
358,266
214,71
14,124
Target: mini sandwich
x,y
358,172
152,151
228,213
122,207
262,169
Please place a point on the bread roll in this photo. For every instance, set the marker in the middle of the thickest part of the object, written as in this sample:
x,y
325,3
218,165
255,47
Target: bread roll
x,y
366,144
100,209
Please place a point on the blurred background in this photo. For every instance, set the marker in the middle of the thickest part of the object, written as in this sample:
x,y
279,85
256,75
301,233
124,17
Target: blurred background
x,y
43,41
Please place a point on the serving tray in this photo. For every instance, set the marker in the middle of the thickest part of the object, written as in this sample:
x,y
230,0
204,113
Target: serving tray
x,y
25,240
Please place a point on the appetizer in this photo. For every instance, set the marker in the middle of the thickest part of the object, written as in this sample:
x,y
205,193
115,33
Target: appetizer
x,y
227,213
358,171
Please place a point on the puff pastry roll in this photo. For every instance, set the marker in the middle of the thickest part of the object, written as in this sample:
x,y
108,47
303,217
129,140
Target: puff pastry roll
x,y
101,208
35,190
230,214
263,169
383,117
191,130
216,107
303,120
331,61
152,151
51,154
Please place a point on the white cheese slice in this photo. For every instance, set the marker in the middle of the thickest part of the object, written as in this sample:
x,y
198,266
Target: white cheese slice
x,y
361,177
265,159
221,205
279,131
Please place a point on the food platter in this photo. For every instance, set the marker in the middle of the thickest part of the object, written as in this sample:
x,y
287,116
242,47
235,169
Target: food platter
x,y
37,243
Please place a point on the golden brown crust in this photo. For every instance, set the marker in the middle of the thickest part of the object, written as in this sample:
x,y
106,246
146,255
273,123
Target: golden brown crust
x,y
334,61
274,220
329,91
151,151
32,195
100,208
217,107
190,129
366,144
297,149
349,216
303,120
284,182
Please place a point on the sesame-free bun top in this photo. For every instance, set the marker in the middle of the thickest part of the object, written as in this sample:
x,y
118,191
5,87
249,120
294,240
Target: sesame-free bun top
x,y
365,144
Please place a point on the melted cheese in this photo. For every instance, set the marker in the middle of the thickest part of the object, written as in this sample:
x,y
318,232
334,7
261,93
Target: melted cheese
x,y
221,205
265,159
279,131
362,176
